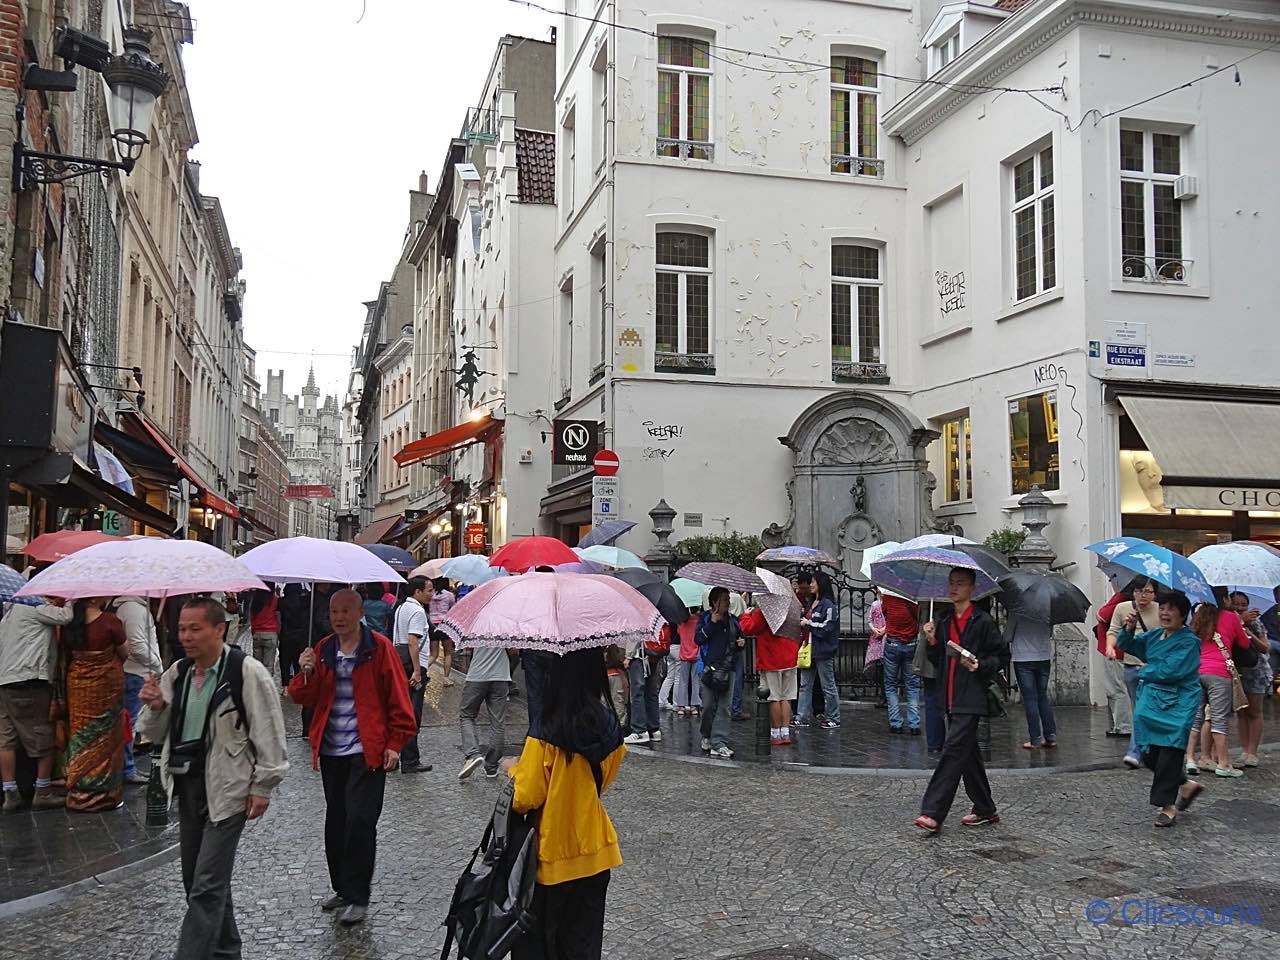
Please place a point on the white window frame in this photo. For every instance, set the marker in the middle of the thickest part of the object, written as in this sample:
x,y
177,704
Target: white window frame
x,y
962,421
599,298
600,104
569,159
566,337
1035,200
682,274
947,49
857,163
683,141
1152,271
854,284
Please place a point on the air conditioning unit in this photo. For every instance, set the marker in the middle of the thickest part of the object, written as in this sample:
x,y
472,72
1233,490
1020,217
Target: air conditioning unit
x,y
526,455
1184,188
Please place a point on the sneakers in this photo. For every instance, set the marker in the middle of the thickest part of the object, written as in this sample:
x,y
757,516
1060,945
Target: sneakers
x,y
1228,772
136,779
655,736
46,799
706,745
979,819
830,724
491,774
780,741
470,766
722,753
636,737
13,800
1132,762
797,722
335,902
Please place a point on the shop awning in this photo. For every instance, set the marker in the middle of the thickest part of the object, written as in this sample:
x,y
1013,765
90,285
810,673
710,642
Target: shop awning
x,y
380,530
1213,454
463,435
183,467
114,498
139,453
215,502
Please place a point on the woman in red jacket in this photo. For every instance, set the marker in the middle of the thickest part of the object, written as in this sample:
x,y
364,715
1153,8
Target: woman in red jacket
x,y
776,663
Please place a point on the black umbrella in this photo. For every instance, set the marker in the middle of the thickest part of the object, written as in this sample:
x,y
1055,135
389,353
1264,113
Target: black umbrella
x,y
993,563
658,592
1044,597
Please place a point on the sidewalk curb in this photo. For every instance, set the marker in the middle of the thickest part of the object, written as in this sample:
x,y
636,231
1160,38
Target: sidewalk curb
x,y
58,894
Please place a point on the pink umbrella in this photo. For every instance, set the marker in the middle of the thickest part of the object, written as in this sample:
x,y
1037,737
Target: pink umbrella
x,y
142,568
63,543
555,612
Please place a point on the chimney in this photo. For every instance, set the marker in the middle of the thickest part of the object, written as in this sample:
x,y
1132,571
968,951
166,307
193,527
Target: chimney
x,y
424,185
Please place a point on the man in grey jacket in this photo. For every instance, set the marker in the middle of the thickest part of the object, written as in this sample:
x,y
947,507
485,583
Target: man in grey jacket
x,y
143,648
222,762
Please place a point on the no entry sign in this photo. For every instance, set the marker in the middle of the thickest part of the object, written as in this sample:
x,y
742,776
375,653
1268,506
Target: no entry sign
x,y
606,463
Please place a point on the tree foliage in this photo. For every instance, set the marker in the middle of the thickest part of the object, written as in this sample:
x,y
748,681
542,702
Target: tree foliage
x,y
736,548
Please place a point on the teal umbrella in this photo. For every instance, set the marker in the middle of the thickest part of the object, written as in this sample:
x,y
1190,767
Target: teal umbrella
x,y
689,591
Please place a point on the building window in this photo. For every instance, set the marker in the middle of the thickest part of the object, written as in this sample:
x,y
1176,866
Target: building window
x,y
855,116
1150,207
1033,442
856,283
600,101
957,448
683,301
569,158
599,290
566,339
946,49
684,98
1034,263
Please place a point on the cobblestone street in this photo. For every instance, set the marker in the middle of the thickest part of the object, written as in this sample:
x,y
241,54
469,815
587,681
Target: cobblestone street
x,y
728,861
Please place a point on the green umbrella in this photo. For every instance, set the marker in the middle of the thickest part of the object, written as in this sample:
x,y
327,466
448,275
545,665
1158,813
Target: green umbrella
x,y
689,591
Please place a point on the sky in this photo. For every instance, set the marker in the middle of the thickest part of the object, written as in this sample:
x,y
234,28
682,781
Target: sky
x,y
315,118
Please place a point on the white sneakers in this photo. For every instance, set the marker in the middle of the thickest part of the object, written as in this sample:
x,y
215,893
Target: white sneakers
x,y
722,753
706,744
470,766
656,736
636,738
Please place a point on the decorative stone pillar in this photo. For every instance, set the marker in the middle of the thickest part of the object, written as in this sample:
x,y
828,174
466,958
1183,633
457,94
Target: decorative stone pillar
x,y
662,557
1070,668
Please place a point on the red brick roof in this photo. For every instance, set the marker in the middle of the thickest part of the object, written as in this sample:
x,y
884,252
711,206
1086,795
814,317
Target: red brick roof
x,y
536,166
1011,5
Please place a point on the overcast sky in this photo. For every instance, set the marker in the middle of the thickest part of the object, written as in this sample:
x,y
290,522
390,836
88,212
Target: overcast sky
x,y
313,128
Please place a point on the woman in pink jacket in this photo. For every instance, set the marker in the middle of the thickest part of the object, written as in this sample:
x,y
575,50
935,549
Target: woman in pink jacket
x,y
1221,633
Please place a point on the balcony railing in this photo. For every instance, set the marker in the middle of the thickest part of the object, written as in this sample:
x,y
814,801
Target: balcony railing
x,y
1155,269
481,125
684,362
857,166
686,149
849,371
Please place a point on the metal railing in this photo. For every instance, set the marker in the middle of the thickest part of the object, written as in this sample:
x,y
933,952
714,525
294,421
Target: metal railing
x,y
694,362
1155,269
481,125
857,166
855,372
686,149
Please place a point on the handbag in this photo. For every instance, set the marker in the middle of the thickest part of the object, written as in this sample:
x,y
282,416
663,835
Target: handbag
x,y
1239,700
921,665
720,677
804,656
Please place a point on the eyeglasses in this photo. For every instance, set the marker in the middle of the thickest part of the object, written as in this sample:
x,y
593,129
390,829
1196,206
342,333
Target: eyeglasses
x,y
1145,590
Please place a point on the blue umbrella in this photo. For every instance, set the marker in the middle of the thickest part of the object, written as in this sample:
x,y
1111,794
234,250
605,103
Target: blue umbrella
x,y
606,533
10,583
472,569
397,558
1161,564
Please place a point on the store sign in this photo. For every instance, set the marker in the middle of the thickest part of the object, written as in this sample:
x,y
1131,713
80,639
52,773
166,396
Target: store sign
x,y
1126,355
576,442
308,491
475,537
112,523
1222,498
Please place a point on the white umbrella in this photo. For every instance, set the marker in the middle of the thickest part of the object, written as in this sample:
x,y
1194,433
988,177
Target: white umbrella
x,y
934,540
872,554
780,607
1243,566
310,560
433,569
143,568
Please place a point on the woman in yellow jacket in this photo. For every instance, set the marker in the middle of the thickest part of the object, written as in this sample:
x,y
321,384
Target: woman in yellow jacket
x,y
563,773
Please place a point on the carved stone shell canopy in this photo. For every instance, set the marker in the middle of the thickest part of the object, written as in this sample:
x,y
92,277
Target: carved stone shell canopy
x,y
854,440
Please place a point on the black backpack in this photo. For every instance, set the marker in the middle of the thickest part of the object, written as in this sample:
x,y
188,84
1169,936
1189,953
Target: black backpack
x,y
232,678
492,902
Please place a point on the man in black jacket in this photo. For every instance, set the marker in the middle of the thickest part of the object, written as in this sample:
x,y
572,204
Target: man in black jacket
x,y
966,674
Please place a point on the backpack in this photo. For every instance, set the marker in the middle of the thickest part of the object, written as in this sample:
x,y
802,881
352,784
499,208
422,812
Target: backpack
x,y
659,646
232,676
492,901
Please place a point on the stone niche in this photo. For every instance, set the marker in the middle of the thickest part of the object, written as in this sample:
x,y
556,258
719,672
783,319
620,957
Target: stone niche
x,y
860,477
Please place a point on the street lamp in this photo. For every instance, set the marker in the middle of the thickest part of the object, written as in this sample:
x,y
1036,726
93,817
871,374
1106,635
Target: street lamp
x,y
134,82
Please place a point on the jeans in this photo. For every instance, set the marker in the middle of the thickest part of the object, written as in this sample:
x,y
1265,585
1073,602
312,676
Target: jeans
x,y
665,697
493,694
898,655
352,806
715,716
208,859
1117,696
688,687
1033,681
643,675
133,706
825,671
739,678
935,724
1131,684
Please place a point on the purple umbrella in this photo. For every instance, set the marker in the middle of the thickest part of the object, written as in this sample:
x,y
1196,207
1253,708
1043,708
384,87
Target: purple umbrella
x,y
606,533
921,573
723,575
